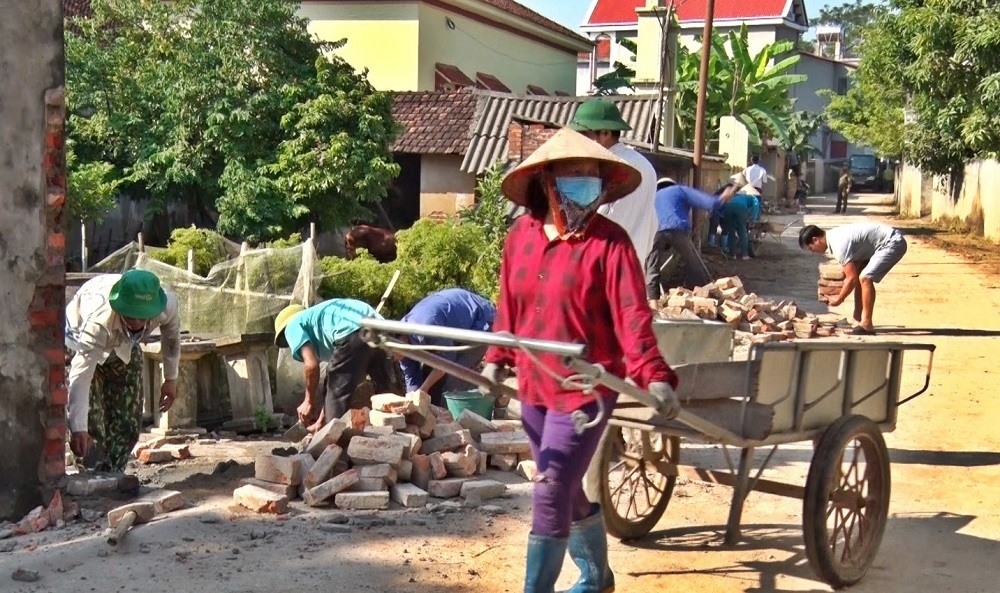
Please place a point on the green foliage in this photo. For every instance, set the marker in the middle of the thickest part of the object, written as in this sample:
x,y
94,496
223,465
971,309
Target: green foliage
x,y
292,241
208,246
92,190
802,125
432,256
938,62
490,214
229,106
748,87
621,74
263,420
853,19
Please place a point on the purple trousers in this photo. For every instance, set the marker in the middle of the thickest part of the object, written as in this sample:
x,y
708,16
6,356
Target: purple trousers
x,y
562,457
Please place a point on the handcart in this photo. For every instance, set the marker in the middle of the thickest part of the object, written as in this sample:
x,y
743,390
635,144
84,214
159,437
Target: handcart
x,y
840,395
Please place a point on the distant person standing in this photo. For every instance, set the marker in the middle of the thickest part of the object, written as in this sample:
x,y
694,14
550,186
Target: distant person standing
x,y
843,188
600,120
867,251
755,174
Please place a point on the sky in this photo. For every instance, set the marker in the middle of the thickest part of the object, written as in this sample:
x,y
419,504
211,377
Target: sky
x,y
571,13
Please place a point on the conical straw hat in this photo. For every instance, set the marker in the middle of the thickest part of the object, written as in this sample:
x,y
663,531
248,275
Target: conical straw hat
x,y
742,185
620,178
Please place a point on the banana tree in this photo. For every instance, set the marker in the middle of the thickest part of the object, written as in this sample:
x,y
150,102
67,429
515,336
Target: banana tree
x,y
752,88
802,126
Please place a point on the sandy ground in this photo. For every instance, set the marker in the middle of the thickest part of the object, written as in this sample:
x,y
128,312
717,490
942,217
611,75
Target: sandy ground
x,y
943,534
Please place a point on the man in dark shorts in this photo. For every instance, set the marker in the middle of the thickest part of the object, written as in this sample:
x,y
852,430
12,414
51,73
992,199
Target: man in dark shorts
x,y
867,251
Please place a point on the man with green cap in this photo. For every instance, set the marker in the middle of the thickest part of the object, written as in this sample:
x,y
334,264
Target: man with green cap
x,y
600,120
331,331
106,320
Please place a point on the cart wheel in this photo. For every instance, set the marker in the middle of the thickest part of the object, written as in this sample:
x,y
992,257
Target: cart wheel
x,y
846,500
633,493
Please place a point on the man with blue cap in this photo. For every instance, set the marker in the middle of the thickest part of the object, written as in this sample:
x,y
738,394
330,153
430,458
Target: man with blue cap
x,y
106,320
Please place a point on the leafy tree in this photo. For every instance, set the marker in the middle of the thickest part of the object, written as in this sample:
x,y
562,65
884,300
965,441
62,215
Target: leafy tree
x,y
853,19
940,63
748,87
230,107
93,187
802,126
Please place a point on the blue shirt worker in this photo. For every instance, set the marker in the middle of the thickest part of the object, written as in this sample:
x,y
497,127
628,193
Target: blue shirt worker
x,y
673,204
455,308
331,331
737,214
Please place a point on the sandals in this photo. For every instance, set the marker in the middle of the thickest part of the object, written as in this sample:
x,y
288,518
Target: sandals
x,y
857,330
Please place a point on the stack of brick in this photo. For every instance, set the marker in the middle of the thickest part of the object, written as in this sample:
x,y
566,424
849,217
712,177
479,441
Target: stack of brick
x,y
831,281
162,449
756,319
403,449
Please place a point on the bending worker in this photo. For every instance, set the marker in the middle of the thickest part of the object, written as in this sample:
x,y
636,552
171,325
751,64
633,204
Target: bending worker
x,y
330,331
455,308
106,320
866,251
673,212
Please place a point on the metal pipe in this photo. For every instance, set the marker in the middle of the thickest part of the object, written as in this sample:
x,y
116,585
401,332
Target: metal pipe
x,y
472,337
618,385
454,369
699,118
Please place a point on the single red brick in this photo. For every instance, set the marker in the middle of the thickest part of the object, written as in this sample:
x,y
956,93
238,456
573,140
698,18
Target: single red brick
x,y
57,375
55,355
54,447
57,240
55,468
58,395
44,317
56,432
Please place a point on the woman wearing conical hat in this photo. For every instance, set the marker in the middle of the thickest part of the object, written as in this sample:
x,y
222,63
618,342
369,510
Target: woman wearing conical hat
x,y
571,275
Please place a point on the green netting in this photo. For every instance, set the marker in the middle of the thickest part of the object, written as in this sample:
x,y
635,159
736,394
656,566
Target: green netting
x,y
240,295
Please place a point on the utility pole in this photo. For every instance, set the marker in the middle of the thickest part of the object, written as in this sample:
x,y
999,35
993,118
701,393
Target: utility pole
x,y
706,55
664,65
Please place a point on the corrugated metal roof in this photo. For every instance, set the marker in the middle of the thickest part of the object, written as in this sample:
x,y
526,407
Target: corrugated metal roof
x,y
496,110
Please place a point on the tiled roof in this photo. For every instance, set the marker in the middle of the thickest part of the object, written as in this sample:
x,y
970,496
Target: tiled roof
x,y
496,110
453,74
603,51
532,16
489,82
622,12
434,123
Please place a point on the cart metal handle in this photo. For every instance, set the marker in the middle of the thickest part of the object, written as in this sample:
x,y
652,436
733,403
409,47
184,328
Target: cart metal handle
x,y
927,377
472,336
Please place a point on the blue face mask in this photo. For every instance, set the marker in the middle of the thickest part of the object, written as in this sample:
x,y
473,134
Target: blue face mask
x,y
582,191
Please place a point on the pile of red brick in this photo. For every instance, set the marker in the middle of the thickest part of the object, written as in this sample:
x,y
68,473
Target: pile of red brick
x,y
756,319
403,449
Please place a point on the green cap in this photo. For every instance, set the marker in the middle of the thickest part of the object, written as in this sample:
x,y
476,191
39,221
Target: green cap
x,y
137,295
597,115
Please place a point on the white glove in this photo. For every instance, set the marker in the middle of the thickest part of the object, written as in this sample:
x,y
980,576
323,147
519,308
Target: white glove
x,y
668,404
491,372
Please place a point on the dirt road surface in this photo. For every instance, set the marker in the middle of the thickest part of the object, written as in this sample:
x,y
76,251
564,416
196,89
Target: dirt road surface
x,y
943,533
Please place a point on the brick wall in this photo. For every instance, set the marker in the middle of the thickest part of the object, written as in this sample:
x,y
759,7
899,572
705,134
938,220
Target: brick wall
x,y
524,138
47,306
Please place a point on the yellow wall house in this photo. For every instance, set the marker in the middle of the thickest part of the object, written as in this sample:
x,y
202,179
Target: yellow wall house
x,y
434,45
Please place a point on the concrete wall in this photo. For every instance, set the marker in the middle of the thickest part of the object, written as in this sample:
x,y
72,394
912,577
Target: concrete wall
x,y
444,188
381,36
473,47
975,202
400,42
32,192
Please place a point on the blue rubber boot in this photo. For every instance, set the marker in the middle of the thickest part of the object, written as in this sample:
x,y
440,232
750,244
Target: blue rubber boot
x,y
588,547
545,560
